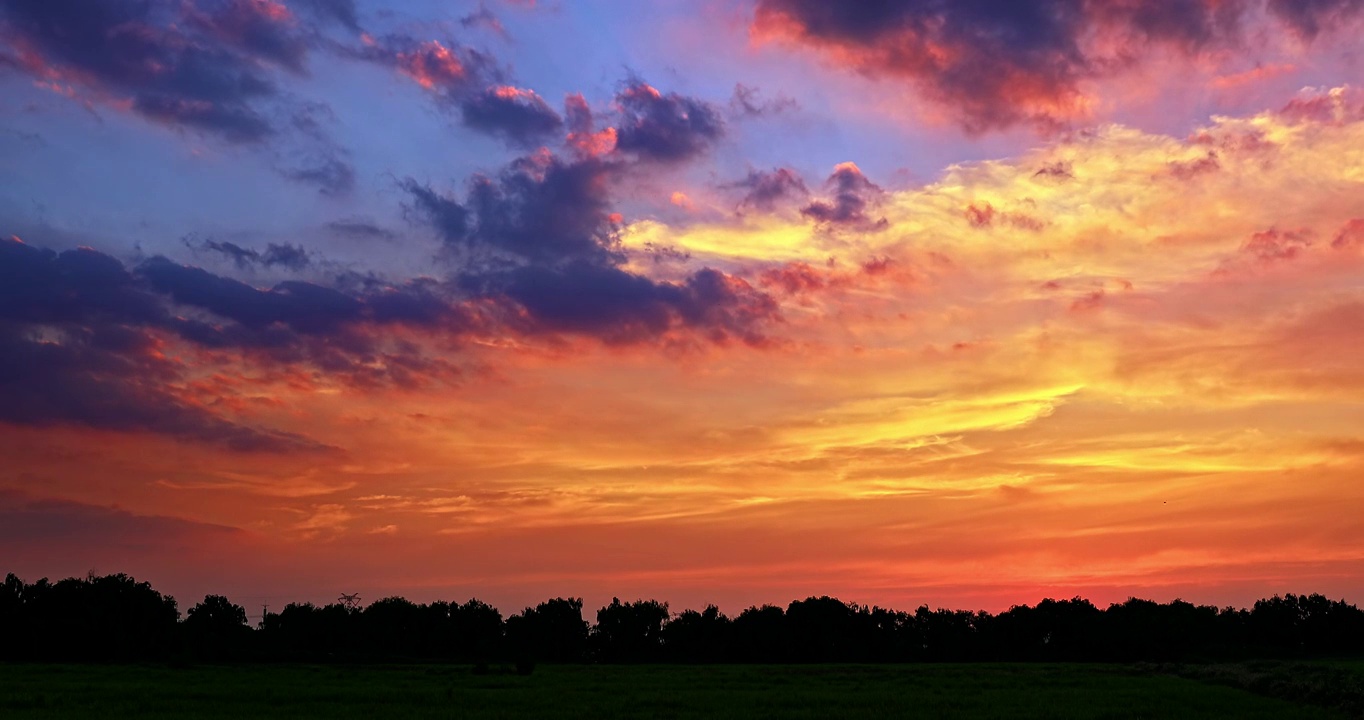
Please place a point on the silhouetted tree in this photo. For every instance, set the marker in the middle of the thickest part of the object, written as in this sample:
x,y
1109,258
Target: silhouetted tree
x,y
114,617
1054,630
698,636
217,629
630,632
14,629
554,630
305,631
1145,630
394,627
760,635
824,629
476,630
1306,625
216,615
949,635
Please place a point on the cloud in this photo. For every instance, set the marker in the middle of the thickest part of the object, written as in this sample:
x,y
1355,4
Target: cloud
x,y
332,174
263,29
622,307
206,67
1335,106
301,306
25,520
360,229
539,209
998,63
515,114
234,123
483,17
665,128
541,237
434,66
467,82
852,194
747,102
583,138
137,50
78,345
1310,18
290,257
84,340
109,379
78,286
767,189
339,11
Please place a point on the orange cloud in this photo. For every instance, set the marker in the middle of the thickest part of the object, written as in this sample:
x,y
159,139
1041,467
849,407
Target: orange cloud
x,y
431,65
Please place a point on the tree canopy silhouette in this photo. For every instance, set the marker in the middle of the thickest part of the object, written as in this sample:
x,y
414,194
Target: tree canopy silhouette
x,y
116,618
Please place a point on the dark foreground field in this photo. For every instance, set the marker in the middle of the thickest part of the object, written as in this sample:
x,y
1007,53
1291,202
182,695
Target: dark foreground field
x,y
576,691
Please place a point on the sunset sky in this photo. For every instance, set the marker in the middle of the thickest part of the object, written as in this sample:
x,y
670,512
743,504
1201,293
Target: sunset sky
x,y
712,301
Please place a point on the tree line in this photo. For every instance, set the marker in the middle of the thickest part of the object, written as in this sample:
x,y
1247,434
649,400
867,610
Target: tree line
x,y
117,618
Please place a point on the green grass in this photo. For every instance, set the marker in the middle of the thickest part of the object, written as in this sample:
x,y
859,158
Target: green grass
x,y
1354,666
424,691
1336,684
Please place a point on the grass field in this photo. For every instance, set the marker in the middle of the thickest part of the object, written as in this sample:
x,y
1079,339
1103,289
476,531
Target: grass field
x,y
423,691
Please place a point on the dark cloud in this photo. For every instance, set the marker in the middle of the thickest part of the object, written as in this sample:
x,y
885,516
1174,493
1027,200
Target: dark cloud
x,y
25,521
1000,62
446,69
109,380
333,175
420,303
483,17
360,229
242,257
76,347
446,215
1187,25
467,82
539,210
260,28
339,11
764,190
82,338
141,50
234,123
290,257
992,60
1190,169
1059,170
205,66
540,238
665,128
75,287
316,159
853,193
514,114
621,307
1310,18
747,102
300,306
1274,245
